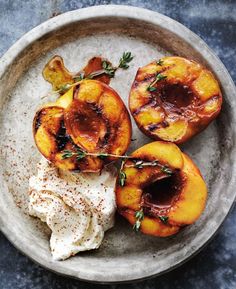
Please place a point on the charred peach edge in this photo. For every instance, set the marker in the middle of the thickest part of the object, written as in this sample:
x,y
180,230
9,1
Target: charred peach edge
x,y
43,139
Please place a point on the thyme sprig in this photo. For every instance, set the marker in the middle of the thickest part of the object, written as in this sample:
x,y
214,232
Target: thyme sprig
x,y
139,215
125,59
139,164
107,69
79,153
111,70
158,78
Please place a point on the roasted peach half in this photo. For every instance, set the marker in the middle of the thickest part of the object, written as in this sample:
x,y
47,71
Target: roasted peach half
x,y
174,98
90,117
160,189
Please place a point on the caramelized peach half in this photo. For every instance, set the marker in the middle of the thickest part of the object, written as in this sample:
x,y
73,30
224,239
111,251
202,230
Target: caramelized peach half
x,y
162,190
90,116
174,98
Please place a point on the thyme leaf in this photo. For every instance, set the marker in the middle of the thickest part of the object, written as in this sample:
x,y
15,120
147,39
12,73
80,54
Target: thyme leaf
x,y
102,155
79,77
160,62
67,154
108,69
155,163
139,215
167,170
138,164
164,219
151,88
80,154
63,88
158,78
122,178
125,59
137,226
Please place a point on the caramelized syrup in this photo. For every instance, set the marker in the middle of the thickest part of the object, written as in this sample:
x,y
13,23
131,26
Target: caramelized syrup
x,y
159,196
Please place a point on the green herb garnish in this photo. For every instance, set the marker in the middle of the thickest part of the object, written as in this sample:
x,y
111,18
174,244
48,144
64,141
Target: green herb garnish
x,y
139,215
151,88
108,69
122,178
80,154
67,154
138,164
65,87
160,62
158,77
166,170
137,226
79,77
103,155
125,59
164,219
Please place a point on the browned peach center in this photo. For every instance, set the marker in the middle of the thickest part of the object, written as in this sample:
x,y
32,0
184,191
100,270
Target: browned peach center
x,y
178,95
159,196
86,120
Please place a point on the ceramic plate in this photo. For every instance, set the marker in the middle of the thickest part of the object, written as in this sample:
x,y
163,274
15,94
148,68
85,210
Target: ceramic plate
x,y
77,36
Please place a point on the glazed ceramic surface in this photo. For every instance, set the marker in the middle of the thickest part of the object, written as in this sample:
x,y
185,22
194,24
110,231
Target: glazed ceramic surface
x,y
77,36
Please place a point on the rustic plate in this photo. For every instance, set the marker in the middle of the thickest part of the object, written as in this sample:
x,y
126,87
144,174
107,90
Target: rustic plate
x,y
77,36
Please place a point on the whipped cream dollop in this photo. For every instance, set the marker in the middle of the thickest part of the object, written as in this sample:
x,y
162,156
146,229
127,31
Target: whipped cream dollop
x,y
77,207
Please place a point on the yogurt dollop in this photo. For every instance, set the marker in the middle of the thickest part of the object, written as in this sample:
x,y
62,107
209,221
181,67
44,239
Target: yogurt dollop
x,y
77,207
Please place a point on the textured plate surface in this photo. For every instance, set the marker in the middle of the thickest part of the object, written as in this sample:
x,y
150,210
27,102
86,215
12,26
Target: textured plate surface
x,y
77,36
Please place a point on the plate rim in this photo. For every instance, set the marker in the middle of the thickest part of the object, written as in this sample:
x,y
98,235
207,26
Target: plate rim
x,y
122,11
